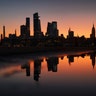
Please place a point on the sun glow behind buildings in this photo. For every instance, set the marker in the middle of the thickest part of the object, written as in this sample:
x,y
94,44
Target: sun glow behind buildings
x,y
79,28
77,14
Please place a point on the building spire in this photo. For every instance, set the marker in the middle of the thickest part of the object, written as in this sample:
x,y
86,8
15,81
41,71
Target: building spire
x,y
93,32
15,32
93,25
69,29
93,28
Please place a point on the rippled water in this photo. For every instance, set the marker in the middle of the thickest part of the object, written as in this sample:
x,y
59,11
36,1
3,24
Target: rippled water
x,y
56,74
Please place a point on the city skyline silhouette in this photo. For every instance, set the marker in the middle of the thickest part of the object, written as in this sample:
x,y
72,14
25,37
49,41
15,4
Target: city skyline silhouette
x,y
50,41
47,47
44,33
79,15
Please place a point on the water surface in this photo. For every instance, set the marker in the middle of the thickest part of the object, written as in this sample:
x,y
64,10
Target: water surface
x,y
56,74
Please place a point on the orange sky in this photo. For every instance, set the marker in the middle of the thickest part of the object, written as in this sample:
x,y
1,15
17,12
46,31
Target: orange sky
x,y
78,26
79,15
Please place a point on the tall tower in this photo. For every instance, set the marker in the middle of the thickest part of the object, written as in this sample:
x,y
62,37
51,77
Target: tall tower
x,y
92,36
23,31
52,30
3,32
1,38
28,26
37,25
70,34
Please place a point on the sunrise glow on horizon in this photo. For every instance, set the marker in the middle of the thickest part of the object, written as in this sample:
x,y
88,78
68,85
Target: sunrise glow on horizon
x,y
79,15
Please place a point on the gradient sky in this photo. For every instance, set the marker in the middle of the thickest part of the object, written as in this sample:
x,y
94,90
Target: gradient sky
x,y
79,15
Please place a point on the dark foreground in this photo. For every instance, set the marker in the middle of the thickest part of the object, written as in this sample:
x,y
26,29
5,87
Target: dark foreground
x,y
27,50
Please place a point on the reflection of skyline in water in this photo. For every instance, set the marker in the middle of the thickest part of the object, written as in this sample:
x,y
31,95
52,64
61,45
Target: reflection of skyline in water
x,y
48,75
52,65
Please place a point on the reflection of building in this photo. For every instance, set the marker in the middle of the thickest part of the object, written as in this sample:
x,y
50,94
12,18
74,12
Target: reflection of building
x,y
62,57
92,57
27,67
70,59
37,69
83,55
37,26
52,63
52,30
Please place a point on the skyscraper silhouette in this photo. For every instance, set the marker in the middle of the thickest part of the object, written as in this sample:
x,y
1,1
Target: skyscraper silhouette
x,y
3,32
52,30
1,37
15,32
25,29
70,34
93,32
37,25
92,35
28,26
